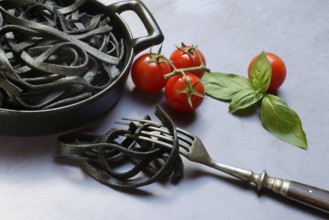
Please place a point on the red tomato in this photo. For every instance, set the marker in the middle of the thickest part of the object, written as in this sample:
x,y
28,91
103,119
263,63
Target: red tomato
x,y
180,89
148,74
185,57
278,71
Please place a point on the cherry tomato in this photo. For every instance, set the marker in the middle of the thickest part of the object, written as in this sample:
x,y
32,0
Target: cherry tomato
x,y
148,74
179,90
185,57
278,71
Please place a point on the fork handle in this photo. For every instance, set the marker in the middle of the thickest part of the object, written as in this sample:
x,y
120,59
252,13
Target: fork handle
x,y
308,195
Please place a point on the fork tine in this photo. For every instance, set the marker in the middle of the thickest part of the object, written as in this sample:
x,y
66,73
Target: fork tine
x,y
185,133
159,136
149,139
165,141
183,141
163,135
142,121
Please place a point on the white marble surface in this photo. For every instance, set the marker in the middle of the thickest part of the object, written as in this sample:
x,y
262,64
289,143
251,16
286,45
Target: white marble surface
x,y
35,186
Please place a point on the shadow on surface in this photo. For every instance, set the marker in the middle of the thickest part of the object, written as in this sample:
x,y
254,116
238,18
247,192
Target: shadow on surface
x,y
146,99
27,148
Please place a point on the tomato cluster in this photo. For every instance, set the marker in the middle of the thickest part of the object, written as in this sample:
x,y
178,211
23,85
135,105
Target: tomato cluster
x,y
179,76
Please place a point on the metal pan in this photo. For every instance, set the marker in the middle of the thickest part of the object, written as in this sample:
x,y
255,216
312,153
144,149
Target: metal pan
x,y
44,122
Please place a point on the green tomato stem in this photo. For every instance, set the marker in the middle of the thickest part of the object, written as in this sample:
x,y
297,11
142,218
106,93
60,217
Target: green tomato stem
x,y
176,71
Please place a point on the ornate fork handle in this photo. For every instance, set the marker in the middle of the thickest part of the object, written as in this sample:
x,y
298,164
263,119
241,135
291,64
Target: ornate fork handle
x,y
299,192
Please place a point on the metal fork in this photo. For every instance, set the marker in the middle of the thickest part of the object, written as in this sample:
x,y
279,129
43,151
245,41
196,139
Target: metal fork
x,y
194,150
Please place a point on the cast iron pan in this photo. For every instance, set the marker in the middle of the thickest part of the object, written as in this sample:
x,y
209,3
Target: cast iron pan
x,y
44,122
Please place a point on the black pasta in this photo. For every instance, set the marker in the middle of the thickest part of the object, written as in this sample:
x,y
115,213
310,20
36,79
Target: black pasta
x,y
53,54
100,155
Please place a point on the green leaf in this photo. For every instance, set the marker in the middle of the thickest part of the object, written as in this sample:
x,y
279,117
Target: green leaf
x,y
282,121
244,99
260,73
224,86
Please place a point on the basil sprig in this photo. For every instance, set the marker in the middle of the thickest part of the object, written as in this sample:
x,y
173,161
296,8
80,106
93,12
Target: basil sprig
x,y
242,93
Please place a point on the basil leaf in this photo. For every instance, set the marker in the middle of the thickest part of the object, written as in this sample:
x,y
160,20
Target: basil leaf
x,y
282,121
224,86
244,99
260,73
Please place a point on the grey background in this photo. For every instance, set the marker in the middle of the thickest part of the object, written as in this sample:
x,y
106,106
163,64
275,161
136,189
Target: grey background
x,y
229,32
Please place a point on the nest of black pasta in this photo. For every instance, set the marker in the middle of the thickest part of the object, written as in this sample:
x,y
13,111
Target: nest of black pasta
x,y
54,53
144,162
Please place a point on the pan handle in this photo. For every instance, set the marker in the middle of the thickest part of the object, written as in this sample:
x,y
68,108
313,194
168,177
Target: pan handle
x,y
155,35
